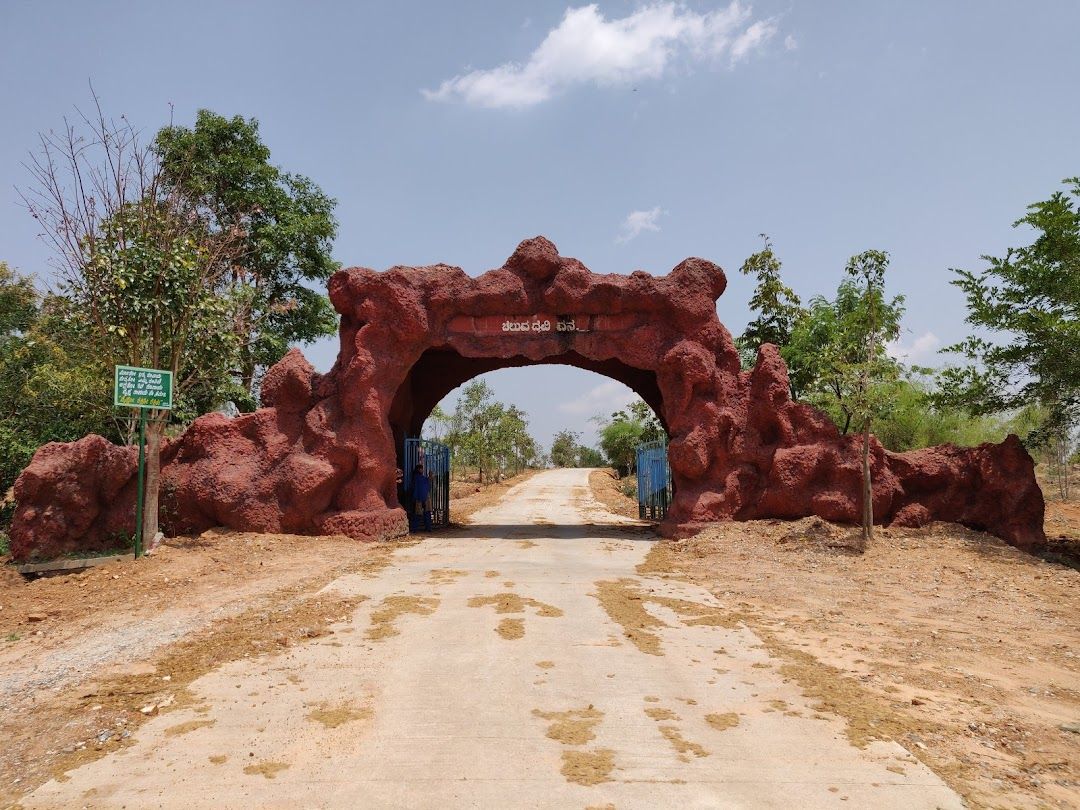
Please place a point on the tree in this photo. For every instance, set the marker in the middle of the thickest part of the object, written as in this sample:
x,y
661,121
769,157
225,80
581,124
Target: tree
x,y
867,322
619,440
437,424
485,433
18,304
514,447
830,342
140,270
18,310
1029,300
589,457
473,419
564,449
779,310
625,429
52,387
915,419
639,411
223,169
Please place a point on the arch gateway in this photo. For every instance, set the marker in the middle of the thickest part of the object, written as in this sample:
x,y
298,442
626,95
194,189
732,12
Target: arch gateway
x,y
320,456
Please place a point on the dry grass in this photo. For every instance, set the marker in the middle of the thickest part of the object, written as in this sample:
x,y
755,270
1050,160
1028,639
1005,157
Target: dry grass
x,y
682,745
722,722
588,767
624,602
272,581
445,576
661,714
384,618
267,769
572,727
609,491
961,648
190,725
334,716
511,629
513,603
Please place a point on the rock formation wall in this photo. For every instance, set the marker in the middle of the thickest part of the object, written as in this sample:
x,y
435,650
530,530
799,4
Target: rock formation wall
x,y
320,456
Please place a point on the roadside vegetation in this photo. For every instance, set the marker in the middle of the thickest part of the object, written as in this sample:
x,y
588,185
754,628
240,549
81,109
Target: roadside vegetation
x,y
188,251
1016,373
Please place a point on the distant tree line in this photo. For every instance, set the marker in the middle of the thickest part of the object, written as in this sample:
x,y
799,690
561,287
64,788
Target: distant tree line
x,y
485,435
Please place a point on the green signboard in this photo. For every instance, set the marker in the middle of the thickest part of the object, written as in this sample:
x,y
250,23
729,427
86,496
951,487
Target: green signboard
x,y
143,387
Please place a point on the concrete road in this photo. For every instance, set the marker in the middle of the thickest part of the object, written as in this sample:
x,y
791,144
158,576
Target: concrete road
x,y
519,663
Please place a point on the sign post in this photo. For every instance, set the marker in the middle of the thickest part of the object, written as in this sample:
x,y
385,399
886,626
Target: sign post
x,y
145,389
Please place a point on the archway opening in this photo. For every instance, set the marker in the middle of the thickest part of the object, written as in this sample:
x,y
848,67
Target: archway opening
x,y
572,403
439,371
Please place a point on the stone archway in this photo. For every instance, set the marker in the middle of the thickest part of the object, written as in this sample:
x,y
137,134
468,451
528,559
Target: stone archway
x,y
320,456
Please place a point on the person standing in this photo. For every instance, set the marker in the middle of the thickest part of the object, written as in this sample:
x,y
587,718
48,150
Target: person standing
x,y
421,493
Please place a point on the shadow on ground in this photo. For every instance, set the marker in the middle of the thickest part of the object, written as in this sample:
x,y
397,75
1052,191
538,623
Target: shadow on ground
x,y
550,531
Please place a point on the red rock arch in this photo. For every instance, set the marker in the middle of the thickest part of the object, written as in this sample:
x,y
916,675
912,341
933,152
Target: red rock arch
x,y
320,456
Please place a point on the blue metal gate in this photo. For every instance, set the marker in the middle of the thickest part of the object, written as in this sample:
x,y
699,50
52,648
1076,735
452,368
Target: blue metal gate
x,y
653,480
435,457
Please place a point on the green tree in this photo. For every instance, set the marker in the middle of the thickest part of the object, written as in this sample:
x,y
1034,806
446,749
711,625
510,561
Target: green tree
x,y
1029,303
619,440
624,430
484,433
639,411
778,310
589,457
437,424
52,386
473,419
830,342
140,270
18,304
514,447
867,374
564,449
287,225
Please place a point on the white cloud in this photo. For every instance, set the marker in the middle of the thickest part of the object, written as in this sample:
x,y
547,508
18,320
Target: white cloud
x,y
751,39
587,48
638,221
604,399
922,349
790,43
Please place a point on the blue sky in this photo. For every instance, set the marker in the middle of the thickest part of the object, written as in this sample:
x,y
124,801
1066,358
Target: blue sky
x,y
631,134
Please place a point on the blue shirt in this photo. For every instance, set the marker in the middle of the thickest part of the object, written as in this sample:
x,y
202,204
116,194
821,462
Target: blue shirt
x,y
421,486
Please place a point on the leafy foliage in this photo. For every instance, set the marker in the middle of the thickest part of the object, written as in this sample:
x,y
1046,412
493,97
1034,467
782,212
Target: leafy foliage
x,y
565,448
223,168
625,430
484,433
915,419
1028,303
51,385
146,298
777,306
830,345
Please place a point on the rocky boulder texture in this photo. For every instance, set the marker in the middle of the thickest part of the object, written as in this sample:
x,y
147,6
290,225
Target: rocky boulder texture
x,y
320,456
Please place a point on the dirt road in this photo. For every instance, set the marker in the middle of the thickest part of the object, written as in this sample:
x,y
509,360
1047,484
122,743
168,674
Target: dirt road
x,y
521,662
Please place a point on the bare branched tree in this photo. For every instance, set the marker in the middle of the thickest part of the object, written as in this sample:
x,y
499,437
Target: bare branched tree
x,y
138,267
